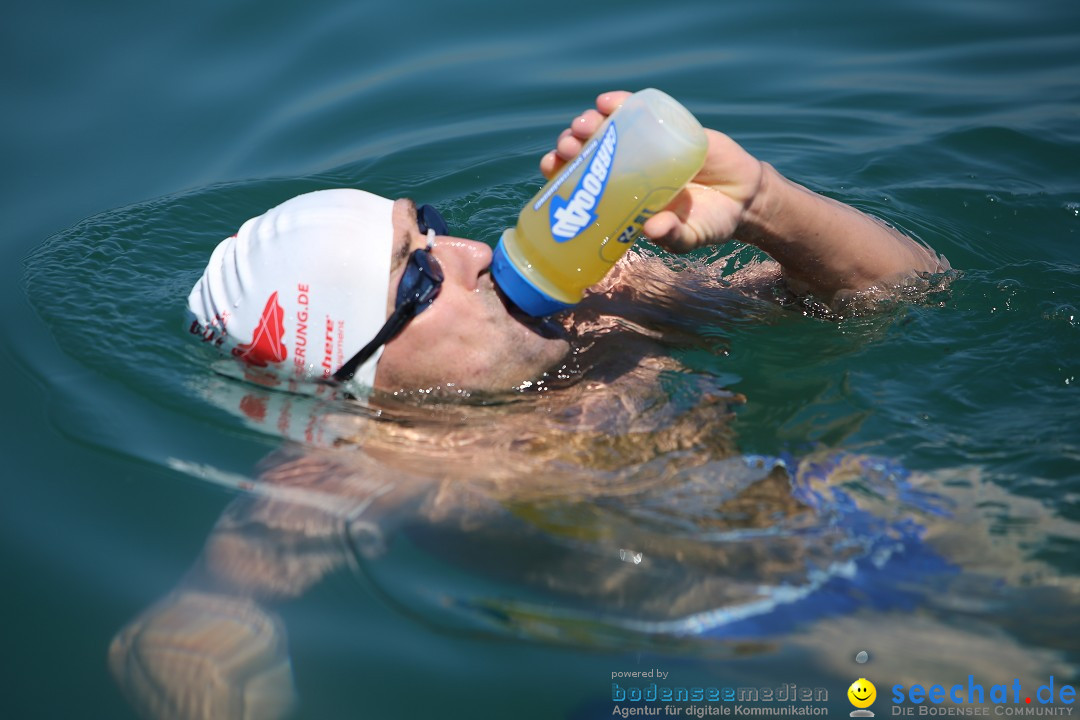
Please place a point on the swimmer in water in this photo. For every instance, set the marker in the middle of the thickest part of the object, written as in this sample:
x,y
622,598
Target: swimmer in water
x,y
334,262
345,279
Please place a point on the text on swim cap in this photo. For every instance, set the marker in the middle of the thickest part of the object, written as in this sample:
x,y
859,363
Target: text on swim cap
x,y
300,346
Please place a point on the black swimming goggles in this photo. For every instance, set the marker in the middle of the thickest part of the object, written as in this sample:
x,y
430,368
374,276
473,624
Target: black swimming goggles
x,y
417,289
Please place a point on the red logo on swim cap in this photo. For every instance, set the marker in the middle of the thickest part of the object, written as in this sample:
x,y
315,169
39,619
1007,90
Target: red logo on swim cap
x,y
254,407
266,346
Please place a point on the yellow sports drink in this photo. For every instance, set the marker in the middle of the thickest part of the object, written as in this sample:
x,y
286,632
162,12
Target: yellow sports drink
x,y
588,216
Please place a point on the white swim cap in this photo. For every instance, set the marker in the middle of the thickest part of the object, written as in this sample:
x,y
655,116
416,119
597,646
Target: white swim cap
x,y
300,289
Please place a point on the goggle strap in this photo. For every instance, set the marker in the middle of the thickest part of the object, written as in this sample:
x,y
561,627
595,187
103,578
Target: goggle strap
x,y
392,327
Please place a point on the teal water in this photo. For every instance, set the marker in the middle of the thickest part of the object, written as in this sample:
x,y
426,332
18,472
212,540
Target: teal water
x,y
135,138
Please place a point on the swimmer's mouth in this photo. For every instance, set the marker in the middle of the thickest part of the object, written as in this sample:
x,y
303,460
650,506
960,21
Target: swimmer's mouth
x,y
543,326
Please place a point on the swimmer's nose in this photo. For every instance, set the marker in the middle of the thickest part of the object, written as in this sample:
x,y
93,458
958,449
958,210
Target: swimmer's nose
x,y
463,261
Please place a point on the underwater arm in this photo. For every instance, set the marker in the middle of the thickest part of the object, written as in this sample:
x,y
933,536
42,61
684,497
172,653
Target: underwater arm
x,y
213,647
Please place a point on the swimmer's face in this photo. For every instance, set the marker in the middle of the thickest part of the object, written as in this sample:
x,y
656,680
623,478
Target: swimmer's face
x,y
862,693
467,339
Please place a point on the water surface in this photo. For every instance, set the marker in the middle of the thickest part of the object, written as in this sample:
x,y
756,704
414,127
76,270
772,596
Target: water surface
x,y
136,138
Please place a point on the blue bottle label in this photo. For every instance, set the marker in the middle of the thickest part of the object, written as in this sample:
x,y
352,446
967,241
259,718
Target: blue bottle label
x,y
570,216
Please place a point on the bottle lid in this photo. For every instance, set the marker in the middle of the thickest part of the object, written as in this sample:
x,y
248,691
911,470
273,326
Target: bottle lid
x,y
519,288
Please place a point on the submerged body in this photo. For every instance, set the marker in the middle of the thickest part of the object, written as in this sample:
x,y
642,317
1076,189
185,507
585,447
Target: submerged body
x,y
642,512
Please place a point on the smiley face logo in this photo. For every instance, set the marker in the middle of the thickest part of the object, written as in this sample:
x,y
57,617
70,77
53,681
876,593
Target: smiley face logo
x,y
862,693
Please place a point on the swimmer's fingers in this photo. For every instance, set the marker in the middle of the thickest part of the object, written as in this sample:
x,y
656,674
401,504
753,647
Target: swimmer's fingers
x,y
573,138
550,164
583,127
570,142
670,232
609,102
698,216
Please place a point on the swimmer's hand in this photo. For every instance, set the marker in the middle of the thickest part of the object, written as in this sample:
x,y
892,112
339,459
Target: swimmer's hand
x,y
823,246
709,210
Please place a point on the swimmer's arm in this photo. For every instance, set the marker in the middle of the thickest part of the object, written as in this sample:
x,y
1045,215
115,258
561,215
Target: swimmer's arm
x,y
310,514
823,246
826,247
